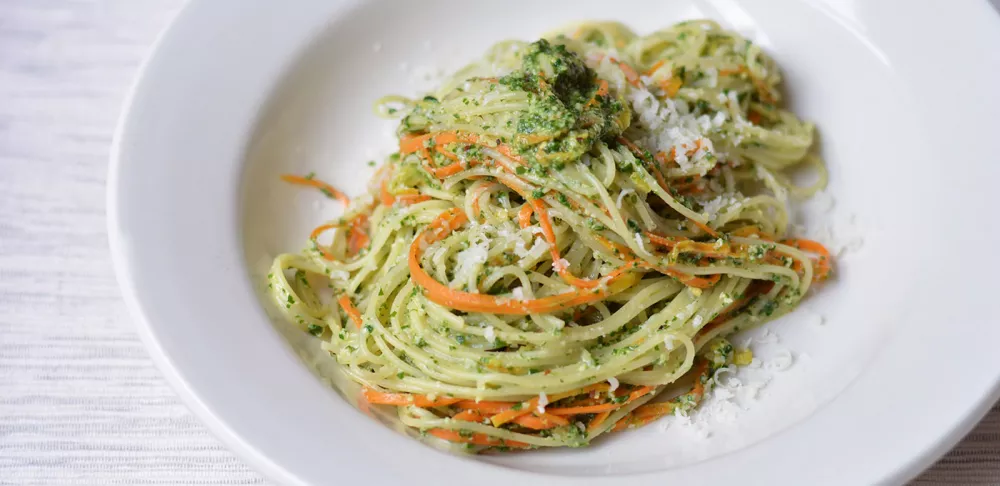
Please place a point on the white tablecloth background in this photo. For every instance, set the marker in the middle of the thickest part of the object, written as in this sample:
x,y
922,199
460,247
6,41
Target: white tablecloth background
x,y
80,401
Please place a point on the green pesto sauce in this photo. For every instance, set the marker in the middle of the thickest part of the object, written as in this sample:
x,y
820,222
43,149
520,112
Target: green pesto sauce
x,y
561,122
564,118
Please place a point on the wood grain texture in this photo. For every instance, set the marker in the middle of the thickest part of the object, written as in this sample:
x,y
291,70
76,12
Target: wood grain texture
x,y
80,401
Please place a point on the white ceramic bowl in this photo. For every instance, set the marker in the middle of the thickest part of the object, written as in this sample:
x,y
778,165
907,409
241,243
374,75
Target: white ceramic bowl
x,y
905,96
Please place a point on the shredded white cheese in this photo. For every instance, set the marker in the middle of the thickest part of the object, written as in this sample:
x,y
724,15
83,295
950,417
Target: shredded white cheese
x,y
543,400
782,361
470,260
668,342
638,241
537,249
767,337
560,264
667,125
517,293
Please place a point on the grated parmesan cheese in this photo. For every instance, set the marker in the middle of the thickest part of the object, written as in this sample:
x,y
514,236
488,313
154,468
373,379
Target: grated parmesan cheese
x,y
560,264
543,400
767,337
538,249
517,293
716,206
470,260
638,241
668,342
782,360
666,125
719,119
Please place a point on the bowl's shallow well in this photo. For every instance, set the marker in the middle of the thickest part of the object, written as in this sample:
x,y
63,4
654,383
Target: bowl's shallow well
x,y
292,92
321,120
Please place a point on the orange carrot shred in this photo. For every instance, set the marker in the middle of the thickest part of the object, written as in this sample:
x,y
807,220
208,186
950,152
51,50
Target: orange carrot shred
x,y
406,399
475,302
544,421
597,421
348,306
322,186
475,439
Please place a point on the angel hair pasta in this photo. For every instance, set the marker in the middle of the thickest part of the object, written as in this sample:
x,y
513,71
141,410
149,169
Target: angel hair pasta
x,y
569,230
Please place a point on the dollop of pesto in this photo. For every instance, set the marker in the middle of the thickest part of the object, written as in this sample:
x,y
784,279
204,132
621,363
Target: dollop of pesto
x,y
566,115
560,114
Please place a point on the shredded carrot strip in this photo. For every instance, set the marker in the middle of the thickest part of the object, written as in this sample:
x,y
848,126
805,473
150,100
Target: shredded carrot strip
x,y
704,227
622,423
630,75
415,143
598,419
604,407
548,232
655,66
406,399
470,302
476,439
671,86
530,406
511,414
667,242
602,90
469,416
693,187
544,421
823,262
314,236
704,249
384,175
728,72
697,392
413,198
348,306
631,420
749,231
476,194
386,197
684,278
638,393
322,186
584,312
665,159
524,216
485,407
359,237
364,406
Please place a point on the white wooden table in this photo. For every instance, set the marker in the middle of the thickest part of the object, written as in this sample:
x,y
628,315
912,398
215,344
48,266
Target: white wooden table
x,y
80,401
